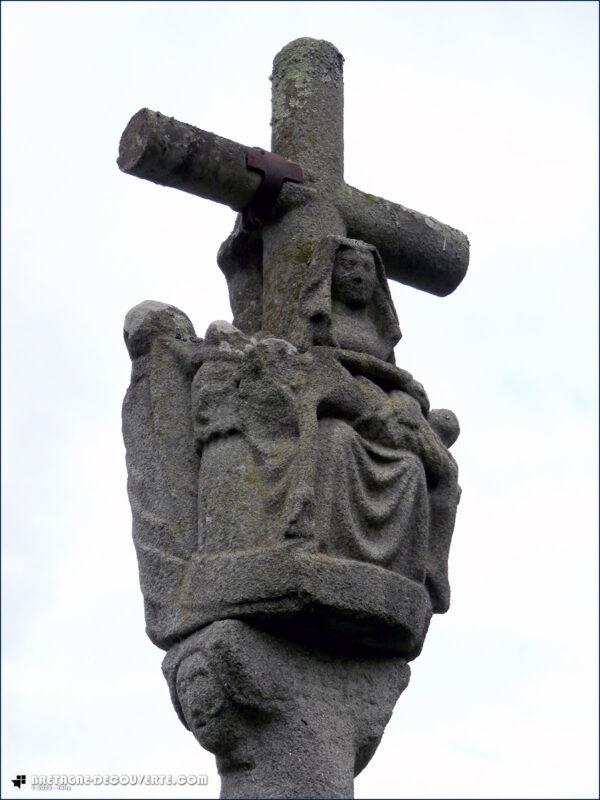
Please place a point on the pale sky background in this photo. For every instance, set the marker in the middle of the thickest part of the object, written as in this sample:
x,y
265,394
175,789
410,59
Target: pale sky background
x,y
483,115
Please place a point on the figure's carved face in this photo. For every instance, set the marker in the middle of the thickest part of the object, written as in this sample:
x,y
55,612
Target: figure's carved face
x,y
354,277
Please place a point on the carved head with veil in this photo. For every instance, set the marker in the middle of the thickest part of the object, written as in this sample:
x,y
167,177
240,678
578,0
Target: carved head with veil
x,y
346,301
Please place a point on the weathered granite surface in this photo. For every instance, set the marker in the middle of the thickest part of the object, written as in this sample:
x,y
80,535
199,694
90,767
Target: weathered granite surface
x,y
284,719
293,494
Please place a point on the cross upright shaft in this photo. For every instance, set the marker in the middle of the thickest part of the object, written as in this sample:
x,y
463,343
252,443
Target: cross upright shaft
x,y
308,128
308,110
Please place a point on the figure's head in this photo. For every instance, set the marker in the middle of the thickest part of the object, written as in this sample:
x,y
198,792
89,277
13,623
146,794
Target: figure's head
x,y
354,276
351,272
445,423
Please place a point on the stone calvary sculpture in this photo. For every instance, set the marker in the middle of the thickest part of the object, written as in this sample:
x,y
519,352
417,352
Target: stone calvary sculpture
x,y
292,492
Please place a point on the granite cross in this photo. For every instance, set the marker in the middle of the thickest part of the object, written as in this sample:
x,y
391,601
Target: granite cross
x,y
307,129
293,496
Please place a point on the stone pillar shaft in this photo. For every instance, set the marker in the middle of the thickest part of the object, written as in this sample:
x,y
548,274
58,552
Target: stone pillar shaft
x,y
284,719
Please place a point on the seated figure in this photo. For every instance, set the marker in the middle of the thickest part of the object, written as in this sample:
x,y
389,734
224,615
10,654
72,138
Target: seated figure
x,y
387,488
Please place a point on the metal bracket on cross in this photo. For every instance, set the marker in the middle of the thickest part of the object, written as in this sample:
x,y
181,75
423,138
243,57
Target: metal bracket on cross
x,y
275,171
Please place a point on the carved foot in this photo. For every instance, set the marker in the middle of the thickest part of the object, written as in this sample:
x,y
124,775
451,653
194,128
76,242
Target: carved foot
x,y
283,719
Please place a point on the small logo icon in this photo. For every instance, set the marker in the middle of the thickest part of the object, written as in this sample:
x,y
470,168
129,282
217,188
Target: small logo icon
x,y
19,781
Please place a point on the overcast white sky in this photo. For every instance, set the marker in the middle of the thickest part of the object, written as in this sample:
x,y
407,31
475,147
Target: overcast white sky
x,y
483,115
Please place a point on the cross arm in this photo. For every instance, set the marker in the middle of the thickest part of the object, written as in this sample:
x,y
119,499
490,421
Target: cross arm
x,y
172,153
416,249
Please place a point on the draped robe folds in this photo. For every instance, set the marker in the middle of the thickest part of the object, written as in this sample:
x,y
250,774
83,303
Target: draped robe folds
x,y
296,446
372,501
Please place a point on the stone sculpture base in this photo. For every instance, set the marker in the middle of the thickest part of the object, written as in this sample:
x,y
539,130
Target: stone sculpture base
x,y
317,595
284,719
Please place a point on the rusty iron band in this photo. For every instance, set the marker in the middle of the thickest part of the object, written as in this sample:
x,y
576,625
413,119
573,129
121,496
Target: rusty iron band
x,y
275,170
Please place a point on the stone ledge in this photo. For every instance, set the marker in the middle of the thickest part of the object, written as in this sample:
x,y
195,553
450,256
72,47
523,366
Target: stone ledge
x,y
329,599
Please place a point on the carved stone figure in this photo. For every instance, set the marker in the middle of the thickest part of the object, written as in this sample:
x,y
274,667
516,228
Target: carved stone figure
x,y
292,492
346,301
